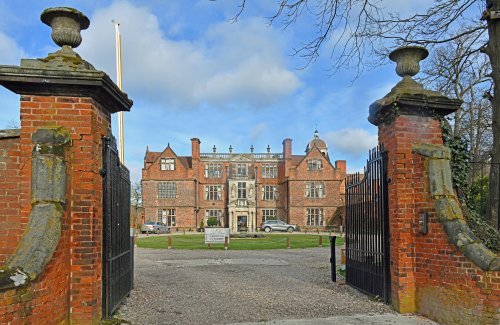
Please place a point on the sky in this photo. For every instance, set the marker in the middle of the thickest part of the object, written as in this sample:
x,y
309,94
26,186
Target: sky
x,y
191,72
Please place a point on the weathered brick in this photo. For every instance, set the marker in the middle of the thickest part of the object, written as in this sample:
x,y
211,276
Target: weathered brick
x,y
429,275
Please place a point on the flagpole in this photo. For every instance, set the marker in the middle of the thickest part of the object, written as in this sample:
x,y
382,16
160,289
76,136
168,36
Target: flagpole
x,y
121,140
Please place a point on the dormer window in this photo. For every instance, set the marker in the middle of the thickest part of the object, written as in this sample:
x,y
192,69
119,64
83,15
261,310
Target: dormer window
x,y
167,164
314,164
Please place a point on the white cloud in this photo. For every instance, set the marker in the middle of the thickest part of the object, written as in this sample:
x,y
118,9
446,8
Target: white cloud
x,y
353,142
10,51
229,64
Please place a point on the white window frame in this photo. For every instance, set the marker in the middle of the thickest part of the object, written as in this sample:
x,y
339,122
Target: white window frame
x,y
213,170
168,214
211,213
167,190
270,193
167,163
269,171
213,192
269,214
315,217
314,164
240,169
315,190
242,190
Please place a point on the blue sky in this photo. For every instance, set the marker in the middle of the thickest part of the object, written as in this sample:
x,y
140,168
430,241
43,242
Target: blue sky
x,y
192,73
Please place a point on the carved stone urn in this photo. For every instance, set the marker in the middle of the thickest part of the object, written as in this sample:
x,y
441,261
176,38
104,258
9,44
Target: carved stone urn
x,y
408,59
66,25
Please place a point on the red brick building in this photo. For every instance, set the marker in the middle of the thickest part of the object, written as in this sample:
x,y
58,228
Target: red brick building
x,y
240,190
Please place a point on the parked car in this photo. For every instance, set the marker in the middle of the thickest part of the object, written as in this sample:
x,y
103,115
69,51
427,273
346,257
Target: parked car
x,y
155,227
277,225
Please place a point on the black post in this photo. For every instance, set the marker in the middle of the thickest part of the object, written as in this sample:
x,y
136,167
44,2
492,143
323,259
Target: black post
x,y
333,258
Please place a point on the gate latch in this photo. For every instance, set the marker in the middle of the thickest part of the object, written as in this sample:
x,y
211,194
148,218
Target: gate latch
x,y
424,222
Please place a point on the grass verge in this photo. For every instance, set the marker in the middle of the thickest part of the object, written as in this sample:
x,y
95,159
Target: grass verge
x,y
271,241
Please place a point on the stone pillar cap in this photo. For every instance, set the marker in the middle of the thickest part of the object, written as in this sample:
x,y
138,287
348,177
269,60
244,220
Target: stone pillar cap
x,y
409,97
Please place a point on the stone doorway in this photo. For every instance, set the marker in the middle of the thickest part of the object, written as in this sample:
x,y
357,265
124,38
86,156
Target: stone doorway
x,y
242,222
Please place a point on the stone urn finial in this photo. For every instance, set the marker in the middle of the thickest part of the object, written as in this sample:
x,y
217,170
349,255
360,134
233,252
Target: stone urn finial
x,y
408,60
66,25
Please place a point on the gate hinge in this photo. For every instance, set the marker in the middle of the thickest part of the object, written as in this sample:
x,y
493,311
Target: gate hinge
x,y
102,172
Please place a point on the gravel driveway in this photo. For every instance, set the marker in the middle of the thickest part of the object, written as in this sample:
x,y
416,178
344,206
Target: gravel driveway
x,y
221,287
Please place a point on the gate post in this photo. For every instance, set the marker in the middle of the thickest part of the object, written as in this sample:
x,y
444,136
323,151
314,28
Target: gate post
x,y
64,91
407,116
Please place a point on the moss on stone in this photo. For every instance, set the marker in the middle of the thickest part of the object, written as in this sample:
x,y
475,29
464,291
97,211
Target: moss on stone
x,y
447,209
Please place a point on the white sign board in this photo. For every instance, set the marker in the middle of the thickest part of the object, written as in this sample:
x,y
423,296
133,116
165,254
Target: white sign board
x,y
216,235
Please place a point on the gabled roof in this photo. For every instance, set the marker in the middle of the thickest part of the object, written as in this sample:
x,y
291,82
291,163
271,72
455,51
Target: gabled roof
x,y
152,157
240,158
297,160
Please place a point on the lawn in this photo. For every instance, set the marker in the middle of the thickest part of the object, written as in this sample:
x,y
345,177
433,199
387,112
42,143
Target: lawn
x,y
270,241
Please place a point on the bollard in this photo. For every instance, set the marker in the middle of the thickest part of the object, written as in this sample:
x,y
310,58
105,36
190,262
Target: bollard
x,y
184,231
169,242
333,239
320,241
209,245
288,242
225,243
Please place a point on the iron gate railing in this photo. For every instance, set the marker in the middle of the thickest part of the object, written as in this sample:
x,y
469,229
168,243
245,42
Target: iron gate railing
x,y
118,259
367,228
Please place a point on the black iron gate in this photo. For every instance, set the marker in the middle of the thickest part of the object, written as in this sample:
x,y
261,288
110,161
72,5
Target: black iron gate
x,y
367,228
118,259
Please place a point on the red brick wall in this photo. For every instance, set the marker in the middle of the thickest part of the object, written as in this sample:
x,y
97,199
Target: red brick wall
x,y
72,279
183,203
332,179
11,225
429,274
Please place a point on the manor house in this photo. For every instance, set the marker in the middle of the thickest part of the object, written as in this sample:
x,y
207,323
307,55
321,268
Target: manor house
x,y
241,190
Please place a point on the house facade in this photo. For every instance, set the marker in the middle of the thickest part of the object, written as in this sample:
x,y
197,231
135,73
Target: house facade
x,y
241,190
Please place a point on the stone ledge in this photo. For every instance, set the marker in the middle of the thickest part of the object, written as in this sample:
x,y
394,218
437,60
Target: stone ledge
x,y
385,110
68,83
10,133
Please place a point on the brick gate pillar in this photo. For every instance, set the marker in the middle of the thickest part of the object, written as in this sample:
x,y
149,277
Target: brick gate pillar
x,y
63,91
407,116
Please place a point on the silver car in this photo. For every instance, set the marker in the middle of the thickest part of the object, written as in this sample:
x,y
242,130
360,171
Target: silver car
x,y
155,227
277,225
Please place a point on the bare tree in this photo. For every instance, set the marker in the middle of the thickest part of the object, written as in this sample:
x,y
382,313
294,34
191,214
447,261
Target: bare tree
x,y
456,72
13,124
136,194
360,32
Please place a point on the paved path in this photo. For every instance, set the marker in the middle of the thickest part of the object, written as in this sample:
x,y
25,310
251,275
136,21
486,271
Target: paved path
x,y
269,287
